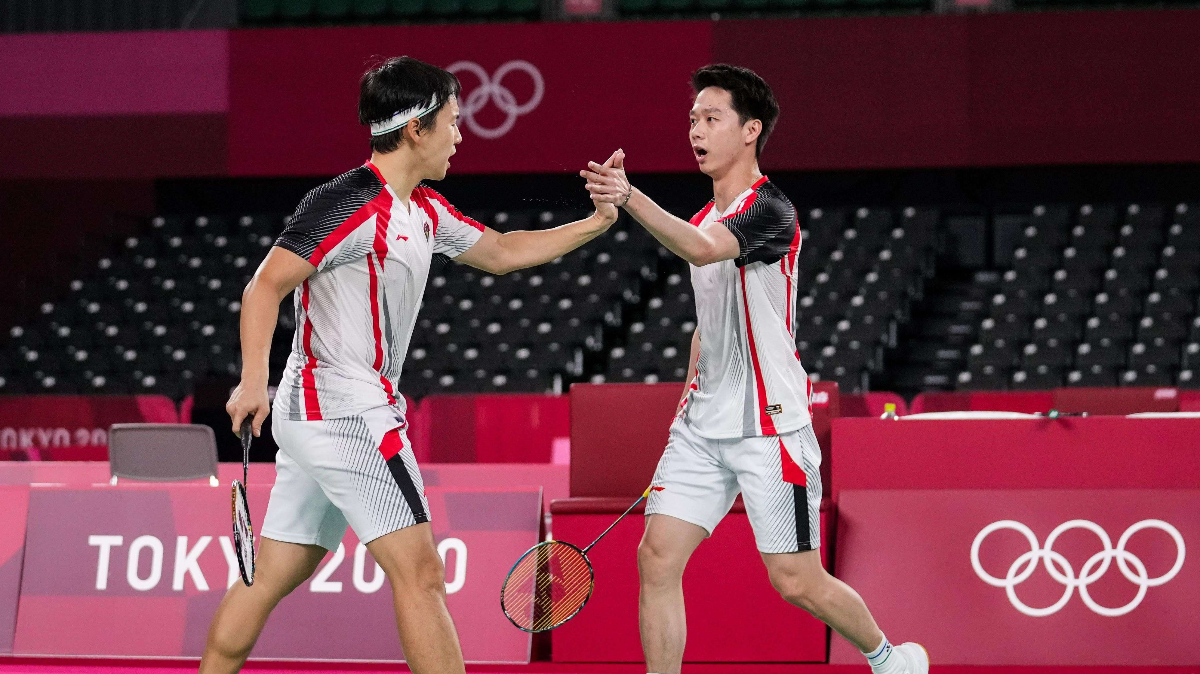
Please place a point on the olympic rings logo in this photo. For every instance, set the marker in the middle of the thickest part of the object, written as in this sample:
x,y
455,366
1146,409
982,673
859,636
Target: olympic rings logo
x,y
491,88
1061,570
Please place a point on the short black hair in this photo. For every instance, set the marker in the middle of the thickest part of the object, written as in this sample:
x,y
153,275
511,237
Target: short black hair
x,y
400,83
752,97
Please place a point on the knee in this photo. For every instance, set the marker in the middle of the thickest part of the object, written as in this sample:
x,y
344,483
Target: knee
x,y
804,590
657,566
420,571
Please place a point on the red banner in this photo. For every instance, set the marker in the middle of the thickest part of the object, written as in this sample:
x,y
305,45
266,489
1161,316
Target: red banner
x,y
1062,577
98,561
73,428
529,103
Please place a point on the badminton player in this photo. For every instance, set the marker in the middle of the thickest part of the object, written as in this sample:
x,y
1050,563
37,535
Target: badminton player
x,y
356,254
744,423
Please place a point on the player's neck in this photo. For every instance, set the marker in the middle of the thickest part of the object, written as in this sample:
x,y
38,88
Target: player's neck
x,y
739,178
399,171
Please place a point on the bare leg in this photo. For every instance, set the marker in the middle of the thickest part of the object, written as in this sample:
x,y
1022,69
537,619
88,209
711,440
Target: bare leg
x,y
281,567
414,569
662,556
802,581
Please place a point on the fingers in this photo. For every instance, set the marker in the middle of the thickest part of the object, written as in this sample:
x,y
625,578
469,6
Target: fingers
x,y
619,162
237,415
605,169
260,415
595,189
609,162
597,179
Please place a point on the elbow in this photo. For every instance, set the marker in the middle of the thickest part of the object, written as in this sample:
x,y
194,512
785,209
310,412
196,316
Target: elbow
x,y
703,255
500,267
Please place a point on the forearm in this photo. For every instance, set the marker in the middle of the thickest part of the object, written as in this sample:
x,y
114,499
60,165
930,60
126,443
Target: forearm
x,y
260,313
522,249
679,236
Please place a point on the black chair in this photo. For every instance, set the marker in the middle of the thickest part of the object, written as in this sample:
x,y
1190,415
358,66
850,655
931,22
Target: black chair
x,y
1105,353
1093,375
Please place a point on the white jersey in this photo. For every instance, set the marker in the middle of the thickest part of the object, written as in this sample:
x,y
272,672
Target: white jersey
x,y
355,315
749,380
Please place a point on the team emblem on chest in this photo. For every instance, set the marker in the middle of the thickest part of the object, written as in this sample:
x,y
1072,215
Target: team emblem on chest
x,y
426,230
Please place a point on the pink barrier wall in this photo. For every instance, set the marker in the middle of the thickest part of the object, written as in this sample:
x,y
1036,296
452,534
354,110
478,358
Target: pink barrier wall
x,y
1065,453
14,503
99,561
733,613
501,428
1047,577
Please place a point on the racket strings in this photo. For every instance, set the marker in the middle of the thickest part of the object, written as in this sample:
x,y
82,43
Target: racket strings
x,y
547,586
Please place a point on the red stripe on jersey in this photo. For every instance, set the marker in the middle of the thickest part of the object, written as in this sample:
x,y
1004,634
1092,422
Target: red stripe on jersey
x,y
418,197
380,203
699,217
378,364
392,444
312,406
808,382
792,473
375,170
764,419
383,218
749,200
454,212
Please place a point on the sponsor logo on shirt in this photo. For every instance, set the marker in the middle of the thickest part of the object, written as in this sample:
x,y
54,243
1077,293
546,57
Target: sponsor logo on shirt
x,y
773,409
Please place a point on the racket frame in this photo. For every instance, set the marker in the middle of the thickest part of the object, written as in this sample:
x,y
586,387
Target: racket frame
x,y
539,546
582,552
245,567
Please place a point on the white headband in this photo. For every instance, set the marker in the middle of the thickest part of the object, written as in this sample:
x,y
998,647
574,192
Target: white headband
x,y
403,117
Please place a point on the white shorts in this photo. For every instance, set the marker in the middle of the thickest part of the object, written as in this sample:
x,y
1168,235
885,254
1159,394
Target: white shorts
x,y
358,470
779,477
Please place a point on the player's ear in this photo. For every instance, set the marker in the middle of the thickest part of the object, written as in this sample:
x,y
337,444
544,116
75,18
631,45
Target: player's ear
x,y
750,131
413,129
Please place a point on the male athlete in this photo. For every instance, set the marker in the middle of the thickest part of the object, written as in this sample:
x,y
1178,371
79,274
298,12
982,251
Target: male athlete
x,y
357,253
744,422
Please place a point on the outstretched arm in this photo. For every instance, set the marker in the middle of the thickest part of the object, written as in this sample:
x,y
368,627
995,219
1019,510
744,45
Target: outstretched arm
x,y
609,185
498,253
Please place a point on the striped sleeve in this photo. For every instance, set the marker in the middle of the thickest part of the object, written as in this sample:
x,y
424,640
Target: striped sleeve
x,y
764,227
323,230
453,232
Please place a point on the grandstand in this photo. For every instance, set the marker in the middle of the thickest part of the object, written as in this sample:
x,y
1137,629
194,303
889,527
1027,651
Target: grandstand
x,y
999,216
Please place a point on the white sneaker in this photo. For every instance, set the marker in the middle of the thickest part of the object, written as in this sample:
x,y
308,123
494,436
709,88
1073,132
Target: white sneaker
x,y
914,658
